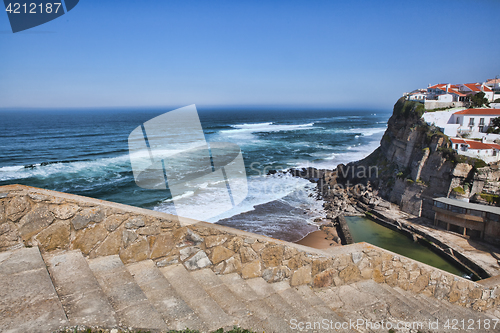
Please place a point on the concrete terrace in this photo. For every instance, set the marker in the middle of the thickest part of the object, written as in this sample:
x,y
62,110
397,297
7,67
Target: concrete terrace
x,y
67,260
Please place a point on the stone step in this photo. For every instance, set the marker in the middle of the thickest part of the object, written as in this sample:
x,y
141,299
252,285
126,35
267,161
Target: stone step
x,y
197,298
319,317
420,312
81,295
271,321
28,300
220,293
227,300
126,297
160,293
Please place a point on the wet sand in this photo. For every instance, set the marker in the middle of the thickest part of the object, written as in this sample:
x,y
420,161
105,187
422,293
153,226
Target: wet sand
x,y
317,239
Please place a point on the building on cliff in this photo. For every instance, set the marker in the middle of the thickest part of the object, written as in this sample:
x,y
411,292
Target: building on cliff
x,y
445,95
488,152
468,219
471,122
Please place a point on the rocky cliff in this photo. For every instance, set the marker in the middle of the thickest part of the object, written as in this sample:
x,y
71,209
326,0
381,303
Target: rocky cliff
x,y
415,163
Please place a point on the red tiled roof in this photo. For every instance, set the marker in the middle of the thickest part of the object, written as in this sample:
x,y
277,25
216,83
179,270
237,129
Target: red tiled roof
x,y
475,144
456,140
476,87
478,145
489,112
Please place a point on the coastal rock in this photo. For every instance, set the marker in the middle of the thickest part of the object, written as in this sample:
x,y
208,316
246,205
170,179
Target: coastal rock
x,y
193,237
86,216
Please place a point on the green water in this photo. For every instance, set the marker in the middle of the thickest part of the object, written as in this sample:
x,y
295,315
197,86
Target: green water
x,y
365,230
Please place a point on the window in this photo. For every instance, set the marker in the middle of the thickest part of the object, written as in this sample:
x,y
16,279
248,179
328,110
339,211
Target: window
x,y
471,122
458,120
458,210
481,128
440,205
481,121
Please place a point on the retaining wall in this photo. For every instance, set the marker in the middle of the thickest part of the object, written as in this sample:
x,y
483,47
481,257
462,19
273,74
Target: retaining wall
x,y
57,221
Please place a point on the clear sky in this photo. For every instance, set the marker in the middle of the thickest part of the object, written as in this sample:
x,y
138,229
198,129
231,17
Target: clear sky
x,y
114,53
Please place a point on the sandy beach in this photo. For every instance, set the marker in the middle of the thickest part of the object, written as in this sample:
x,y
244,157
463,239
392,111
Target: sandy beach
x,y
318,240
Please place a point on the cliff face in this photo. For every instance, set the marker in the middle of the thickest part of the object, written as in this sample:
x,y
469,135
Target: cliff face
x,y
415,163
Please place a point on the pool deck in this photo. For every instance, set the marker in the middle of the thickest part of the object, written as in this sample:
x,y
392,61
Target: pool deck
x,y
485,255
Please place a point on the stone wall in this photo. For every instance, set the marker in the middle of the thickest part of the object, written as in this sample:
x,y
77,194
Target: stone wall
x,y
56,222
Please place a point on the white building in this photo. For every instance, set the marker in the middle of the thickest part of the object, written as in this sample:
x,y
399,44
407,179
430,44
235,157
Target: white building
x,y
475,120
474,88
488,152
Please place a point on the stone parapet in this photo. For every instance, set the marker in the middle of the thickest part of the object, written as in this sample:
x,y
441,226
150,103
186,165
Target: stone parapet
x,y
56,221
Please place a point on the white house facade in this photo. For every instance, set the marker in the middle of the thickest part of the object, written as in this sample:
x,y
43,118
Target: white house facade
x,y
488,152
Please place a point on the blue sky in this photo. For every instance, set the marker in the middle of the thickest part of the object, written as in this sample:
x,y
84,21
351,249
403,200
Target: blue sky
x,y
247,53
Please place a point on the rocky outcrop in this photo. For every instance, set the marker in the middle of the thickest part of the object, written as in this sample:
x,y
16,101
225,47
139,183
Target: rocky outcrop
x,y
415,163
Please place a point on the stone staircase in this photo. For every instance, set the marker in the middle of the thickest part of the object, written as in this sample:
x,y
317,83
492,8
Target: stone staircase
x,y
42,294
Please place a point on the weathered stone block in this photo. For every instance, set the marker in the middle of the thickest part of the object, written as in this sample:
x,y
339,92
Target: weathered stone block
x,y
234,244
87,239
276,274
34,221
114,221
350,274
199,260
420,283
220,253
319,265
9,236
194,237
188,252
56,236
163,245
135,222
325,278
248,254
301,276
233,265
128,237
454,296
378,276
110,246
149,230
258,246
475,293
272,256
64,211
17,207
211,241
86,216
137,251
252,270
